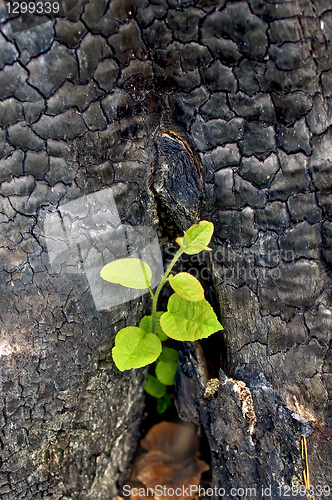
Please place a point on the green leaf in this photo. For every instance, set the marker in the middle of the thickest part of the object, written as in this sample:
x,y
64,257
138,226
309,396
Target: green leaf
x,y
186,320
187,286
154,387
196,238
146,325
128,272
134,348
163,403
167,365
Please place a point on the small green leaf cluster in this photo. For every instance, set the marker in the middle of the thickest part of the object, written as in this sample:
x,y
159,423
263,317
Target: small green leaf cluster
x,y
189,316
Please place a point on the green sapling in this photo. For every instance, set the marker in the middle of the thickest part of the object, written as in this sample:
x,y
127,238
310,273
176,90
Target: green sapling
x,y
189,316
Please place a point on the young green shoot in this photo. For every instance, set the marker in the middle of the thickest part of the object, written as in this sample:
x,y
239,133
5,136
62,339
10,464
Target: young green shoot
x,y
189,316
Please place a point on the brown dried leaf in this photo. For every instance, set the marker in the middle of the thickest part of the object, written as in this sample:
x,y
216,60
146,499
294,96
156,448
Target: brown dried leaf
x,y
176,440
171,461
157,468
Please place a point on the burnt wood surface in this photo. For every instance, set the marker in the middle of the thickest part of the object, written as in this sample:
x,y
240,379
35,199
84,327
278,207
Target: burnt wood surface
x,y
219,106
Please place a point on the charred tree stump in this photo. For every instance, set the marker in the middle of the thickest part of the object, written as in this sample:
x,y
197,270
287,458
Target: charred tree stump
x,y
186,110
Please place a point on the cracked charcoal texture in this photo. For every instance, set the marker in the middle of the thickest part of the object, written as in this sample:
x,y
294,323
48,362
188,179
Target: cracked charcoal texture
x,y
229,442
245,88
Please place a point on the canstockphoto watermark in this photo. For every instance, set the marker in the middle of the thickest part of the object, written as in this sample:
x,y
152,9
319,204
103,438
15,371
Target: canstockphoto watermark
x,y
239,492
25,15
235,265
191,491
85,234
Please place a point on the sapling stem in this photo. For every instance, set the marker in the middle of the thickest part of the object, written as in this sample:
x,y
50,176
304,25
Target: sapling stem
x,y
161,284
146,279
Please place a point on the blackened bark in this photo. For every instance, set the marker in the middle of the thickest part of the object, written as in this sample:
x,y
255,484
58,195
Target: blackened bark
x,y
248,85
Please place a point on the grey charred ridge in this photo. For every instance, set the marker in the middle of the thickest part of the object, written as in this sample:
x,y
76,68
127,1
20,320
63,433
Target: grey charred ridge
x,y
176,181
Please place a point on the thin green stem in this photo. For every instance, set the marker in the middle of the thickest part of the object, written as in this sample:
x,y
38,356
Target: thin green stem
x,y
161,284
146,279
